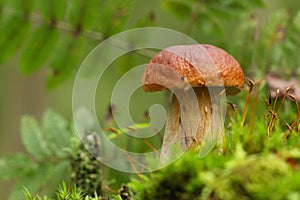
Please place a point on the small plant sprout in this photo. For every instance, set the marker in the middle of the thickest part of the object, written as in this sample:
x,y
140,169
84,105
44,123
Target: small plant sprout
x,y
294,123
250,84
234,108
273,111
197,75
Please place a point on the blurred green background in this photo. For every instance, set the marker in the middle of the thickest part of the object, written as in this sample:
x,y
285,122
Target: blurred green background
x,y
252,31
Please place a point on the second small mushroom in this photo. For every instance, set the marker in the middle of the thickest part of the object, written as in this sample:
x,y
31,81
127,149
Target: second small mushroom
x,y
195,73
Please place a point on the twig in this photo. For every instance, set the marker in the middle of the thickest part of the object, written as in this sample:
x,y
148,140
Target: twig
x,y
250,84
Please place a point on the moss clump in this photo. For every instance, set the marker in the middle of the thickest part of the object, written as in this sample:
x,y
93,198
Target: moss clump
x,y
86,170
235,176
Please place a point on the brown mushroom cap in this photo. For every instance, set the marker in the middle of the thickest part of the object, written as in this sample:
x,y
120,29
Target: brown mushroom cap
x,y
200,65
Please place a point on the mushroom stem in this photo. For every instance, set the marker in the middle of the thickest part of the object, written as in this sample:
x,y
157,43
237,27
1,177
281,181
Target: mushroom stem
x,y
187,126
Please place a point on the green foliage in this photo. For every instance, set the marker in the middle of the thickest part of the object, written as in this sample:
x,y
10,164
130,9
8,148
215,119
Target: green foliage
x,y
55,34
15,166
86,170
255,164
17,26
52,11
278,42
54,155
57,132
39,47
60,35
46,164
178,8
69,48
217,8
65,193
237,174
252,164
33,138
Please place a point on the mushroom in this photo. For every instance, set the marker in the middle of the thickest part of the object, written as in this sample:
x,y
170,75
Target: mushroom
x,y
196,74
